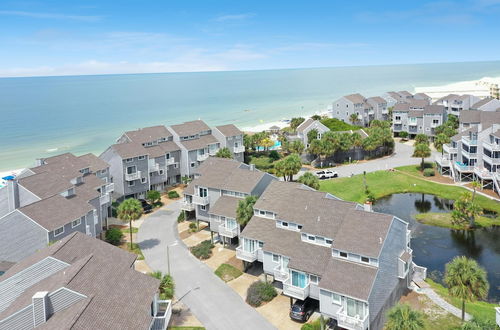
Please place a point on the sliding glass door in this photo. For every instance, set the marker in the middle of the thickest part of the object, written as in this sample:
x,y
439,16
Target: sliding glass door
x,y
299,279
354,308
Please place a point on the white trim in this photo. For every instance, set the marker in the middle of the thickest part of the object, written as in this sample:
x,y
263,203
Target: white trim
x,y
55,235
79,222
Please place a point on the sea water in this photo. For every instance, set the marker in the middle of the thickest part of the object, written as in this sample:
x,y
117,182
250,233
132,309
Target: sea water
x,y
44,116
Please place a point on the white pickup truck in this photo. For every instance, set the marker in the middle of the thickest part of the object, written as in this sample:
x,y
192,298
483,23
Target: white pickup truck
x,y
326,174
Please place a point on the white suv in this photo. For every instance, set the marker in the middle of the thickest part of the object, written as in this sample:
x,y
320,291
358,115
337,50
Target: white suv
x,y
326,174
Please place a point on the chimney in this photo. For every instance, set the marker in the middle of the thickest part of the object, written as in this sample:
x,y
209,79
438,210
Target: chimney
x,y
40,310
252,167
13,194
368,206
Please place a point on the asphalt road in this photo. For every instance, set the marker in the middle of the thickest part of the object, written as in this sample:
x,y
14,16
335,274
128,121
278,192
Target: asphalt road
x,y
214,303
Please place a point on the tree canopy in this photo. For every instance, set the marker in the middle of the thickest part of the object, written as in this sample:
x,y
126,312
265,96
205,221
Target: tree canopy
x,y
288,166
295,122
310,180
153,196
402,317
224,153
244,211
422,151
128,211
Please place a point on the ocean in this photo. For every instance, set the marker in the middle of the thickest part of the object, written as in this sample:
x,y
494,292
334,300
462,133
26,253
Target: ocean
x,y
44,116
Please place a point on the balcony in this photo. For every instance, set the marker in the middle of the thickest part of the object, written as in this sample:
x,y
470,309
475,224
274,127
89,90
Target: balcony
x,y
442,161
412,123
227,232
398,121
104,199
434,125
198,200
170,161
245,255
295,291
187,206
490,160
349,322
238,150
385,111
469,154
491,146
162,315
213,152
463,168
154,167
483,173
202,157
449,149
133,176
280,274
110,187
468,141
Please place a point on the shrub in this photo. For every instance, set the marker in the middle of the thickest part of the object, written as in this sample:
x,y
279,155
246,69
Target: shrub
x,y
315,325
153,197
181,217
429,172
260,291
173,194
193,227
274,155
203,250
167,284
114,236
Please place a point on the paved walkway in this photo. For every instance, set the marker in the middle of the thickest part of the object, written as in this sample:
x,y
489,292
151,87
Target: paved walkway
x,y
400,157
429,292
213,303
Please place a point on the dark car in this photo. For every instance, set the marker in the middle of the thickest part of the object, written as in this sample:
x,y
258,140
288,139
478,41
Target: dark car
x,y
303,309
145,206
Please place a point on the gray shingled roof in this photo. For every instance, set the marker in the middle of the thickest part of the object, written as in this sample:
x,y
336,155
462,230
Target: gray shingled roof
x,y
434,109
403,107
118,297
404,93
486,118
225,206
148,134
229,130
415,113
129,150
376,99
355,98
45,184
190,128
418,103
482,102
305,124
348,278
95,163
200,143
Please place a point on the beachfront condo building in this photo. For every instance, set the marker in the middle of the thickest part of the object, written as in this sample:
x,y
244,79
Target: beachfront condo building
x,y
154,158
305,127
61,195
454,103
80,282
417,117
474,153
393,98
357,105
218,185
355,262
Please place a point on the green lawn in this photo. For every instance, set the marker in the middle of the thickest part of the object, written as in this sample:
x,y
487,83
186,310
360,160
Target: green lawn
x,y
479,309
444,220
385,183
414,169
135,249
127,230
227,272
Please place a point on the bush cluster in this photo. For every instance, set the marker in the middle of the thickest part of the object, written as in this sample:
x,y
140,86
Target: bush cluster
x,y
173,194
203,250
114,236
181,217
260,291
193,227
429,172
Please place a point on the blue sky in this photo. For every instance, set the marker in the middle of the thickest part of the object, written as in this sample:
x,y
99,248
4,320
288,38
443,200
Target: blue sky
x,y
98,37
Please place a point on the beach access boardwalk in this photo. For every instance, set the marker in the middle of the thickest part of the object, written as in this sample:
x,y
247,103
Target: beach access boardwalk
x,y
214,303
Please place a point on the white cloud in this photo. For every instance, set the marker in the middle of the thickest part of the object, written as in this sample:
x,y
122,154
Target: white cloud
x,y
233,17
50,15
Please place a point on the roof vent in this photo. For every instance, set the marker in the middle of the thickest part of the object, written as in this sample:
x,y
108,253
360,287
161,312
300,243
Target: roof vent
x,y
40,303
319,219
380,240
306,207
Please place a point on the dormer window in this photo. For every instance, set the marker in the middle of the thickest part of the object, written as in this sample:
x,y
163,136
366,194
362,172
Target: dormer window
x,y
142,157
129,160
343,254
328,241
365,259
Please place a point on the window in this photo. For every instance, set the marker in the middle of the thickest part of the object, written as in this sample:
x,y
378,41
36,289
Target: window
x,y
193,164
176,165
262,212
284,224
336,299
129,160
276,258
203,207
131,183
261,245
300,227
365,259
142,157
131,169
311,238
59,231
162,172
76,222
328,241
313,279
144,180
343,254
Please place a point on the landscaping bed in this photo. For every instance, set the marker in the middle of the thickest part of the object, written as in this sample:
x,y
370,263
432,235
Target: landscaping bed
x,y
227,272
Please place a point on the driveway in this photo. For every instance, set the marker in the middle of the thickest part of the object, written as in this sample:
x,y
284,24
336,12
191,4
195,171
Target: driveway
x,y
213,303
400,157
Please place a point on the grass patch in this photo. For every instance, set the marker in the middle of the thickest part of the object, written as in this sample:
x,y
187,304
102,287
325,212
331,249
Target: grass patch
x,y
444,220
336,125
442,322
127,230
480,309
203,250
385,183
135,249
263,163
415,169
227,272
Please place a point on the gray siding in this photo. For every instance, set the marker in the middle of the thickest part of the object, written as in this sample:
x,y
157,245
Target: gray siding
x,y
388,287
26,197
20,237
115,170
23,320
268,263
213,195
61,299
138,187
4,201
262,185
68,229
326,304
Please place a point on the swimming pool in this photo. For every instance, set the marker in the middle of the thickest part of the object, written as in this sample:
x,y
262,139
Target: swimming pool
x,y
276,146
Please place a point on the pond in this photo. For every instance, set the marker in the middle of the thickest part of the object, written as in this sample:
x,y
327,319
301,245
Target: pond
x,y
433,247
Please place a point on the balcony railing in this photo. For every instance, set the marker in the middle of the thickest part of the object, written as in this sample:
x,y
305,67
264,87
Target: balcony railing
x,y
154,167
448,149
228,232
443,161
213,152
280,273
397,121
170,161
469,154
349,322
110,187
492,161
463,168
187,206
419,272
468,141
483,173
411,123
491,146
239,149
294,291
202,158
133,176
162,317
198,200
246,255
104,199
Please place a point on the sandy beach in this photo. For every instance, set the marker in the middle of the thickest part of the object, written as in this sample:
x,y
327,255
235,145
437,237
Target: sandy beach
x,y
479,88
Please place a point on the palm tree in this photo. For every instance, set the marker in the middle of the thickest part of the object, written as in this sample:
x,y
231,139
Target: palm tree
x,y
356,140
466,280
402,317
244,211
266,143
296,147
310,180
224,153
345,142
353,118
312,135
128,211
440,140
292,166
465,210
421,139
421,151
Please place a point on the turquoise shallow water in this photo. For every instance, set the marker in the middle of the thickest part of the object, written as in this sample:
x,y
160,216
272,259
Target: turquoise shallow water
x,y
45,115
